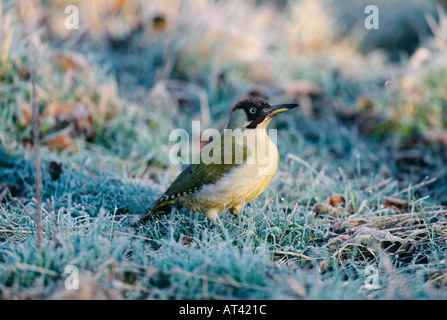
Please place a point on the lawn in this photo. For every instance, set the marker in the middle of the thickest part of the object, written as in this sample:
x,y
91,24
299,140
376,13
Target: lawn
x,y
357,210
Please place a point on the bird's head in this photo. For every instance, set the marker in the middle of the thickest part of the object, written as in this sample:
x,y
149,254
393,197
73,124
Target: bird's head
x,y
254,113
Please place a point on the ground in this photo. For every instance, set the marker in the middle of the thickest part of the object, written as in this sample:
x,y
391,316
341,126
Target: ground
x,y
357,210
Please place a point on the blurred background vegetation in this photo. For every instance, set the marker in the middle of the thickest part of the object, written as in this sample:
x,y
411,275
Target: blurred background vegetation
x,y
373,112
170,60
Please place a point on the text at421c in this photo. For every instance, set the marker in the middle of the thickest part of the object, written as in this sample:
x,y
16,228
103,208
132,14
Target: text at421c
x,y
227,309
244,309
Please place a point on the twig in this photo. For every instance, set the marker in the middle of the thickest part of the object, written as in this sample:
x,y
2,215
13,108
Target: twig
x,y
399,215
4,193
36,144
53,226
28,267
14,231
32,218
378,185
25,210
424,183
45,211
296,254
113,223
118,284
388,219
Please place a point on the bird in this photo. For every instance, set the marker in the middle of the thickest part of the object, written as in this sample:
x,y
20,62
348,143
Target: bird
x,y
245,163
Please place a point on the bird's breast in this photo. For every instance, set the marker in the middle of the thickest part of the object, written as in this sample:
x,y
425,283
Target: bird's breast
x,y
245,181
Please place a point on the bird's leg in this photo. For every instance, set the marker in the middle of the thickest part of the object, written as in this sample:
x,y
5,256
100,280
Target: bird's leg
x,y
234,211
212,214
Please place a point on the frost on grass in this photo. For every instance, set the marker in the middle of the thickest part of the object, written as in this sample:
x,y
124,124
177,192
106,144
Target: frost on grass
x,y
361,183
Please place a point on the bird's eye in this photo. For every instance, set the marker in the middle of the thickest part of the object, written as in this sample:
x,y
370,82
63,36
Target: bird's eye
x,y
253,110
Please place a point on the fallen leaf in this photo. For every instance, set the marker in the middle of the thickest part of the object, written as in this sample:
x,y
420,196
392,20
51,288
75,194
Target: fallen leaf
x,y
62,142
57,109
397,204
366,235
65,62
337,241
337,200
342,226
327,209
24,118
375,242
66,113
333,206
364,103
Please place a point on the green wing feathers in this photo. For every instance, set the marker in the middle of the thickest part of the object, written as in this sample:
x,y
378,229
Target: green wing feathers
x,y
193,178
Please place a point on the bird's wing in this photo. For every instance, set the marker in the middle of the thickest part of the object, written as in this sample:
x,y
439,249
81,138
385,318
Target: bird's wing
x,y
190,180
195,176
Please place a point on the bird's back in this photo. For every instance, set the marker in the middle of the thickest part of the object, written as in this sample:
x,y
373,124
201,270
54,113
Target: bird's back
x,y
207,186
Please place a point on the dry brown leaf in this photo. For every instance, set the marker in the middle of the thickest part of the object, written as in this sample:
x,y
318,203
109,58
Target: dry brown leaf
x,y
376,241
61,143
57,109
337,241
383,240
65,113
364,103
65,62
327,209
397,204
24,117
366,235
337,200
333,206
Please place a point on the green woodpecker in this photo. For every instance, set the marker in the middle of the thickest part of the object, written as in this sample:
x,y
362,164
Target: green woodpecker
x,y
245,161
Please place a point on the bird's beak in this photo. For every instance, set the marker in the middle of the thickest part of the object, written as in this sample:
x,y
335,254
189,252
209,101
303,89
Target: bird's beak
x,y
274,110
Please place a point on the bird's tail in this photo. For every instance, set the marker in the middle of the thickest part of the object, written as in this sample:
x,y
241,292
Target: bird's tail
x,y
160,208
